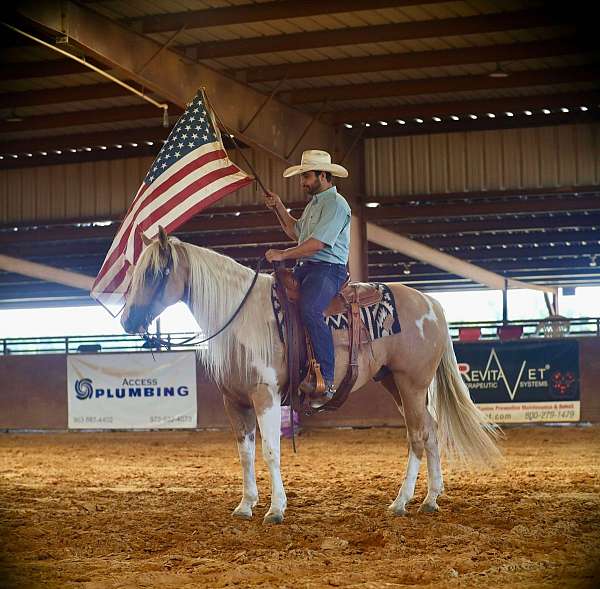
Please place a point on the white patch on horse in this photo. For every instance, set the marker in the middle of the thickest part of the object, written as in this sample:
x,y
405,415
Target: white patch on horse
x,y
429,316
266,375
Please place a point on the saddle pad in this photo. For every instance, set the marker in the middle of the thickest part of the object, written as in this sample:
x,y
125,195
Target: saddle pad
x,y
380,319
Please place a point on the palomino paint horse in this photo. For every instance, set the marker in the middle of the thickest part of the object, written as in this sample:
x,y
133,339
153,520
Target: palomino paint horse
x,y
247,362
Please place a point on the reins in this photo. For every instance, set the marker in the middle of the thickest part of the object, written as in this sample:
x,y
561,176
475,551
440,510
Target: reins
x,y
157,342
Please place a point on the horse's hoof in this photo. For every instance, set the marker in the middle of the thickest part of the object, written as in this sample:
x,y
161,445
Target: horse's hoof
x,y
398,510
429,508
273,518
241,514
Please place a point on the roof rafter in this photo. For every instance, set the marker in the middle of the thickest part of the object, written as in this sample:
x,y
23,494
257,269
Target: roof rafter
x,y
409,60
493,105
249,13
504,21
163,71
543,77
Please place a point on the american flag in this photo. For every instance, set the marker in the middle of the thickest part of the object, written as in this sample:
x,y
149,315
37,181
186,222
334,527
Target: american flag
x,y
191,172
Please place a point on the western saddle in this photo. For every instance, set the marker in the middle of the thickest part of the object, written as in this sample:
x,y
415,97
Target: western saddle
x,y
298,349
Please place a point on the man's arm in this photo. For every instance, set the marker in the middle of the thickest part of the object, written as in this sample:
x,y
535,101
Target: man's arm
x,y
286,220
307,248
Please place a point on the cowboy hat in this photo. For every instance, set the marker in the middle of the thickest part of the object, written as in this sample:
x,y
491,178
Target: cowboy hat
x,y
316,159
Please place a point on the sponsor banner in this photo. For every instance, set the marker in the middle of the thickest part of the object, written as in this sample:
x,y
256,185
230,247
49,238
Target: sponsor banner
x,y
520,382
132,391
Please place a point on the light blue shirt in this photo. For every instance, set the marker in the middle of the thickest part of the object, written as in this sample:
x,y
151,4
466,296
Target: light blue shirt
x,y
327,218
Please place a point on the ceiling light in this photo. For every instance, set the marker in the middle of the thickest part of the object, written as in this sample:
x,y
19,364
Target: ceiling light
x,y
367,124
546,111
88,148
491,115
134,144
455,118
498,72
417,120
528,112
509,114
29,154
149,142
564,109
473,117
348,125
14,155
437,119
72,150
43,152
384,123
102,146
583,108
118,146
372,205
58,151
401,121
13,117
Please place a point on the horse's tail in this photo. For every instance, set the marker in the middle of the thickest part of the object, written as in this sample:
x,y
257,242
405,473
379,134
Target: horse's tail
x,y
464,432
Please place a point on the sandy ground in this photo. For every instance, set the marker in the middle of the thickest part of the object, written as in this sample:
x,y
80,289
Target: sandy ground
x,y
108,510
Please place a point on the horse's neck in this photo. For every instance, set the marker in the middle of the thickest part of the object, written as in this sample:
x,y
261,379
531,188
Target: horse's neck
x,y
217,287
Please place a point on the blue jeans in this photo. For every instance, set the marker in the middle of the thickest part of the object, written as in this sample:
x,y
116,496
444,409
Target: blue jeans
x,y
319,283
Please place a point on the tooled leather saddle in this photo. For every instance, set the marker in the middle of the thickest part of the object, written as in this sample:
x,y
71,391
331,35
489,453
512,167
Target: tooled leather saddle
x,y
299,357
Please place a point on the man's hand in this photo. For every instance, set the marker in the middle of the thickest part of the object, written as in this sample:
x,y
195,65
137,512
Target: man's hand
x,y
272,200
275,255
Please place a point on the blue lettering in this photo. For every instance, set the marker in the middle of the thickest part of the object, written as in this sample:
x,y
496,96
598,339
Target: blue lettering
x,y
168,391
120,393
148,392
183,391
99,393
135,392
109,393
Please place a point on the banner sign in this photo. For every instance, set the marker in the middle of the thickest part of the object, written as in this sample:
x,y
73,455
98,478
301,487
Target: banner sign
x,y
132,391
517,382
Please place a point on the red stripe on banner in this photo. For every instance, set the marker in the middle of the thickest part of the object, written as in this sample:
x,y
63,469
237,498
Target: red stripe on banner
x,y
179,175
118,279
178,198
225,190
207,202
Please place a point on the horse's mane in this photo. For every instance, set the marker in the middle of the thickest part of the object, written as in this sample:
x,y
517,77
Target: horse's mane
x,y
217,286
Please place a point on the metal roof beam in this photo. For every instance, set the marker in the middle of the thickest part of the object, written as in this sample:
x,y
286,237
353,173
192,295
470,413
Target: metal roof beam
x,y
410,60
545,77
465,107
164,72
249,13
60,95
488,23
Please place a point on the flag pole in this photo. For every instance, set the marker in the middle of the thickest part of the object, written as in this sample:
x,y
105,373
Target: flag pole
x,y
235,144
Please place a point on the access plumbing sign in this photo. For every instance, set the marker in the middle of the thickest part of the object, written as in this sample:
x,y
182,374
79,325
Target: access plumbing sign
x,y
132,391
523,382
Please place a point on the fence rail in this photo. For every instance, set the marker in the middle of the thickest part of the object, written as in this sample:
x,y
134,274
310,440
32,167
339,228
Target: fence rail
x,y
461,331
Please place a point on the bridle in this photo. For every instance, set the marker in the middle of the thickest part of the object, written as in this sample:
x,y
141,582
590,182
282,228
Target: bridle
x,y
156,342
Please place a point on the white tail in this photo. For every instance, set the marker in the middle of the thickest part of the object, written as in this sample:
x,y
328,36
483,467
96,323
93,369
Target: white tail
x,y
464,433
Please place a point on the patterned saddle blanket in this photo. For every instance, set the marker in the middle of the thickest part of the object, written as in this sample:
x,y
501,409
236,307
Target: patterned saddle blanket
x,y
379,320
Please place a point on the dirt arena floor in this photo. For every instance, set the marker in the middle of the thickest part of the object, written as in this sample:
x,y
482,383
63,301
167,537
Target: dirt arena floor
x,y
125,510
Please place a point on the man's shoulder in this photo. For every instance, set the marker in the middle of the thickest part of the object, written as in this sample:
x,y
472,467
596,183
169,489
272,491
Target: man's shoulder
x,y
342,203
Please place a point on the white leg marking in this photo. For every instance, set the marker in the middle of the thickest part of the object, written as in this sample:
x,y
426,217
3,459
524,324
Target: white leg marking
x,y
270,429
435,481
408,486
246,449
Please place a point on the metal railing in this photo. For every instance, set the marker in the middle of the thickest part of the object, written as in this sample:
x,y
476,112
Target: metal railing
x,y
460,331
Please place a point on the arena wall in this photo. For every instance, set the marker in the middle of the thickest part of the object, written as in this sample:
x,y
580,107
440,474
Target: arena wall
x,y
33,396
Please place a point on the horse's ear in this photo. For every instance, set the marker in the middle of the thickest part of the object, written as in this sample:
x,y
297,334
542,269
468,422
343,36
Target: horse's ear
x,y
146,240
163,238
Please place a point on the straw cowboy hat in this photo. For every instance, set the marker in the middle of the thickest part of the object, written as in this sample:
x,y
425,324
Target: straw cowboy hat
x,y
316,159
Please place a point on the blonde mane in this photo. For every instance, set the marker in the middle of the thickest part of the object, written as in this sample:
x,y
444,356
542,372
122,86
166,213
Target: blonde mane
x,y
217,286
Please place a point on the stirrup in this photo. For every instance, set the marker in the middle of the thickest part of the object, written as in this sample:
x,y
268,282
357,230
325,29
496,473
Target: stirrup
x,y
323,398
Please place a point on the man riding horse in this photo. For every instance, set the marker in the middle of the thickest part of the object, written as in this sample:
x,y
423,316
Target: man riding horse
x,y
323,236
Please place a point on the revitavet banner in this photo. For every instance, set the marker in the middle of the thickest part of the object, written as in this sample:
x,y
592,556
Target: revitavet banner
x,y
132,391
520,382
